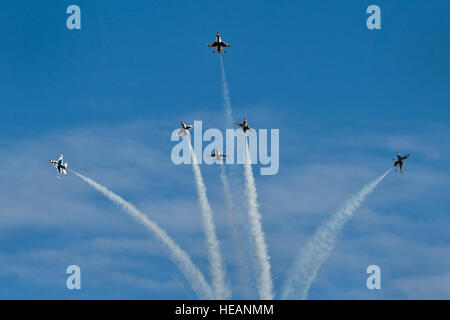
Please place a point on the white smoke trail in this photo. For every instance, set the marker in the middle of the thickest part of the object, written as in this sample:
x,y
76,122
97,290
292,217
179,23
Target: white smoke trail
x,y
264,277
236,237
230,208
215,257
178,255
318,248
226,96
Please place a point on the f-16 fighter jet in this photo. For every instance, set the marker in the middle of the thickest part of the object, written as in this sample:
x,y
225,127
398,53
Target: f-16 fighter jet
x,y
184,131
60,167
219,44
217,155
244,125
399,162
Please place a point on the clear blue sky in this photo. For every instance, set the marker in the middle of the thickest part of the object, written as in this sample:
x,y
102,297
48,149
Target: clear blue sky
x,y
108,96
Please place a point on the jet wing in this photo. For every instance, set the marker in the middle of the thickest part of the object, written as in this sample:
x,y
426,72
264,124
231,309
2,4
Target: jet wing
x,y
214,44
223,44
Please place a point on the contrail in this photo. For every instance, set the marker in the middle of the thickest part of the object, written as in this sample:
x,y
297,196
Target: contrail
x,y
237,244
259,244
178,255
265,286
318,248
226,96
215,257
240,254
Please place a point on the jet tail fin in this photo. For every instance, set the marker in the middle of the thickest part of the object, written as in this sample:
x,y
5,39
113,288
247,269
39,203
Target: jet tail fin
x,y
66,165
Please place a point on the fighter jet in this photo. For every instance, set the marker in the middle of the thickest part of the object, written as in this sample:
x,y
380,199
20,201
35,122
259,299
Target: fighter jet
x,y
244,125
399,162
60,167
219,44
184,131
217,155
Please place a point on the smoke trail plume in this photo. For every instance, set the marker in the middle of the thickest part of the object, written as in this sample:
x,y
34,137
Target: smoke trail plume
x,y
236,237
215,257
178,255
226,96
318,248
265,286
237,244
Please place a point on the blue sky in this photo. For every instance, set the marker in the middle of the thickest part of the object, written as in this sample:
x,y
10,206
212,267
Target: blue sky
x,y
108,96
